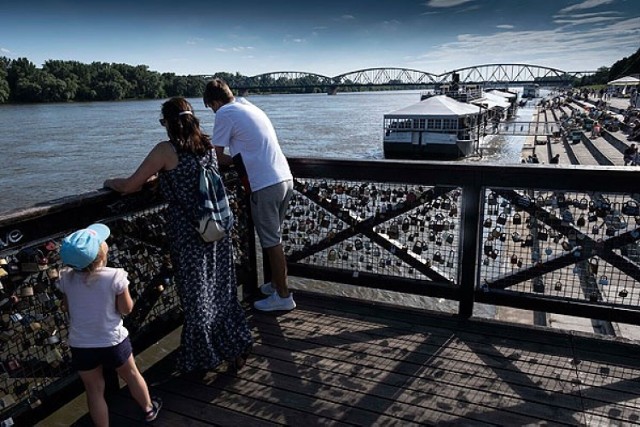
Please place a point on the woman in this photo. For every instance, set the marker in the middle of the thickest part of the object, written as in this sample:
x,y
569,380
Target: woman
x,y
215,327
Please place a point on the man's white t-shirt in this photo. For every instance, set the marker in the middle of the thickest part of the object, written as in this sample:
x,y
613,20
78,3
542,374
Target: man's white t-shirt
x,y
247,131
91,299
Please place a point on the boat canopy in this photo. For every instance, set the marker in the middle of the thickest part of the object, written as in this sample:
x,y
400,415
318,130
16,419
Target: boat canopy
x,y
439,106
492,100
507,95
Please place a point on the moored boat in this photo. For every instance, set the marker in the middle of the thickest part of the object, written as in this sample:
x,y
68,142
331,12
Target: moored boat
x,y
437,127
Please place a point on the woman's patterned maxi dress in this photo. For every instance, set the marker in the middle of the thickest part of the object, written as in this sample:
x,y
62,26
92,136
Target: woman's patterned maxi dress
x,y
215,327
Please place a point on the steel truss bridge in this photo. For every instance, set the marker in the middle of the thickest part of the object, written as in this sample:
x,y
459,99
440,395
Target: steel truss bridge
x,y
484,75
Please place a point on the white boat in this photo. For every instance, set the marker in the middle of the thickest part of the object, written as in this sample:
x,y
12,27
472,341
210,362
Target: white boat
x,y
437,127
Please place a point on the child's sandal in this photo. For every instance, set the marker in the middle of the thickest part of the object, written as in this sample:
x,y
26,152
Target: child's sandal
x,y
152,414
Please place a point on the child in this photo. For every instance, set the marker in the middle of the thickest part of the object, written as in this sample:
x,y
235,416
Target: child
x,y
96,297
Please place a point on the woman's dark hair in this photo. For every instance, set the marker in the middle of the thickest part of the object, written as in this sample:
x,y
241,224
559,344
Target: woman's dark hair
x,y
183,127
217,90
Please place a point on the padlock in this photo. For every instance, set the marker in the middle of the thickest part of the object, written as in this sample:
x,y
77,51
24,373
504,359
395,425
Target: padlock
x,y
604,280
528,241
517,219
558,286
514,259
450,259
543,235
502,218
417,247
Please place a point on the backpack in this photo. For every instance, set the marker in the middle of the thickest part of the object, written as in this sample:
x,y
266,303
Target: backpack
x,y
215,216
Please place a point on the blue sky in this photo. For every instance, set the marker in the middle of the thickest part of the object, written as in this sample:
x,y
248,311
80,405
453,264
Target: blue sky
x,y
328,37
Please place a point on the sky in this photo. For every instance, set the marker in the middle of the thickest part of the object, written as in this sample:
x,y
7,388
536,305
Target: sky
x,y
328,37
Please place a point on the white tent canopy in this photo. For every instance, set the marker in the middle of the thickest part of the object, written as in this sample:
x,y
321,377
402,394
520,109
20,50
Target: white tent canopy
x,y
625,81
435,106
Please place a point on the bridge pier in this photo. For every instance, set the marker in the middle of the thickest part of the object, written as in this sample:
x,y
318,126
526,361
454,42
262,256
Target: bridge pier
x,y
243,92
332,90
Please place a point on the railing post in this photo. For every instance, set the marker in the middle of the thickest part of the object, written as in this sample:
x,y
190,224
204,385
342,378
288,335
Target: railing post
x,y
250,282
471,218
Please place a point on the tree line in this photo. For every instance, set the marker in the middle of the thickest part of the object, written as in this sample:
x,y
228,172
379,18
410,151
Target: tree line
x,y
61,81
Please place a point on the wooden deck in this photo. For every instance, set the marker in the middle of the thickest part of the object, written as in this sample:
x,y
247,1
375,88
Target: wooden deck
x,y
335,361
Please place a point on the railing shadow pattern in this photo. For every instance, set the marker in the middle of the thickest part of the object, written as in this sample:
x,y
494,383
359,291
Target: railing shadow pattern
x,y
543,238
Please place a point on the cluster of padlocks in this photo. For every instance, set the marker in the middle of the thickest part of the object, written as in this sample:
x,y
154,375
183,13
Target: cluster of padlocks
x,y
33,337
34,354
555,243
382,228
561,239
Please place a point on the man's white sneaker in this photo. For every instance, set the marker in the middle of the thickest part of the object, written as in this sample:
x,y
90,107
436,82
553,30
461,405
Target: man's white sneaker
x,y
275,303
267,289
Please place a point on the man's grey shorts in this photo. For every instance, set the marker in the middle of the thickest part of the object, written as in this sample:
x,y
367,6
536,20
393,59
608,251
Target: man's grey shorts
x,y
268,208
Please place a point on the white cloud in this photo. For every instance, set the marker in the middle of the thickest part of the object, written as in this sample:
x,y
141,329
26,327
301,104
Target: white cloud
x,y
234,49
505,27
194,41
446,3
562,48
4,50
585,21
587,4
291,39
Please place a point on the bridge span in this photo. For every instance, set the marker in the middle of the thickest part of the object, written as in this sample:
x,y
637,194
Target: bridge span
x,y
483,75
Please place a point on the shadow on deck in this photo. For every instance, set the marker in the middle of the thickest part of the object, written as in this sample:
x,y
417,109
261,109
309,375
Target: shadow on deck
x,y
336,361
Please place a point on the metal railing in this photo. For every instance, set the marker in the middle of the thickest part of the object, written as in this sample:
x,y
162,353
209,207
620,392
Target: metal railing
x,y
543,238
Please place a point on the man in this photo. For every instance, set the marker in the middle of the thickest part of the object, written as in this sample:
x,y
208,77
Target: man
x,y
252,141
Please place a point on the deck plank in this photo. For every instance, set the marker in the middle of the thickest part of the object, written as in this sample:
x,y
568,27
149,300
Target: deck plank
x,y
336,361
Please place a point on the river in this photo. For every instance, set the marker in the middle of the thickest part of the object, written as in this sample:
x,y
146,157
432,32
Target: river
x,y
49,151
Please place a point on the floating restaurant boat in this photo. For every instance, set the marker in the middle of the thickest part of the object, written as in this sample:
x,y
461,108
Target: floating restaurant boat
x,y
438,127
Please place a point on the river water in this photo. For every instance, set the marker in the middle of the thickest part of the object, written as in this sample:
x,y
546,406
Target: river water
x,y
48,151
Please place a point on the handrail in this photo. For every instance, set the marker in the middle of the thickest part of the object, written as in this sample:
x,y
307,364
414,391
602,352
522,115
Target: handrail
x,y
547,238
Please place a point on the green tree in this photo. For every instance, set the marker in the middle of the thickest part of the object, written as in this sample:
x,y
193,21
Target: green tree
x,y
23,70
4,84
108,83
64,72
626,66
